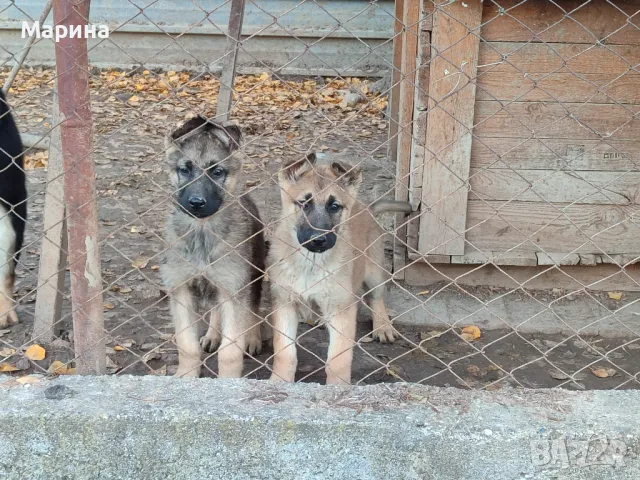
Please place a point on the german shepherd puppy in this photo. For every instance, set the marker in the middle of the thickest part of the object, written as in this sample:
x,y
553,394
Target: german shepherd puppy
x,y
326,252
216,248
13,210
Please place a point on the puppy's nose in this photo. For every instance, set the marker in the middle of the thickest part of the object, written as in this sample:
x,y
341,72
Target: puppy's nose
x,y
319,241
197,202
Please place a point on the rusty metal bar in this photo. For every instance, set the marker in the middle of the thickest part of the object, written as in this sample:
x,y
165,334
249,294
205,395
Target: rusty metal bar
x,y
79,188
227,78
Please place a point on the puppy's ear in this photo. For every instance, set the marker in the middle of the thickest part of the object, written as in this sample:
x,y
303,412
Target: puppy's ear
x,y
349,176
190,127
293,170
228,133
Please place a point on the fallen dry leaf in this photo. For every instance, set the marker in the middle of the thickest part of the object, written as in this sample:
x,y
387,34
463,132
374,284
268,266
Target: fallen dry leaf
x,y
27,379
473,331
7,367
155,267
126,290
112,367
59,368
7,352
394,374
475,371
36,160
35,352
109,306
603,372
366,339
160,371
558,375
615,295
147,357
118,348
424,292
140,262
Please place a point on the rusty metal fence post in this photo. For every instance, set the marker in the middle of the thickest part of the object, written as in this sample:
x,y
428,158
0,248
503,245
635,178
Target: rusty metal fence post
x,y
79,187
228,75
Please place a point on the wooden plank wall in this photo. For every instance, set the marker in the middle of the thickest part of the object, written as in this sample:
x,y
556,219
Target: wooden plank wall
x,y
555,156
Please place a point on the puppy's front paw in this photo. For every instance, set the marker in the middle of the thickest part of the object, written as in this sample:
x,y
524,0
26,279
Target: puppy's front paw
x,y
10,317
210,342
187,372
254,342
385,334
277,378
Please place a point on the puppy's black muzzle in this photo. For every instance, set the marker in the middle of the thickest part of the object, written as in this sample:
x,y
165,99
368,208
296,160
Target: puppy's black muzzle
x,y
201,207
316,241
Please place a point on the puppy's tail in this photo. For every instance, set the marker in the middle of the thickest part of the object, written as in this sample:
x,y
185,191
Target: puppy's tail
x,y
396,206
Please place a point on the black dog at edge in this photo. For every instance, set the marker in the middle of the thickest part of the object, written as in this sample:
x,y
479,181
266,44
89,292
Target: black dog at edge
x,y
13,209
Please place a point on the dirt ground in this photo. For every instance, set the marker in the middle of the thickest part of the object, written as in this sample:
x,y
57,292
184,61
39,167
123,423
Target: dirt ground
x,y
132,113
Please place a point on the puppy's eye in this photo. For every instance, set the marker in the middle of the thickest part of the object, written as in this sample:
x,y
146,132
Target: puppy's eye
x,y
184,170
218,172
335,207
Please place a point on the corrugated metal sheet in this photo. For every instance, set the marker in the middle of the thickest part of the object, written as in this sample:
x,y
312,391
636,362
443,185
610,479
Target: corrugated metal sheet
x,y
326,37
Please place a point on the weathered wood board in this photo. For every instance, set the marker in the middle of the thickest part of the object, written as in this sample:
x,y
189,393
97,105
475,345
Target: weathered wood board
x,y
558,72
557,120
399,250
615,22
411,18
552,154
577,277
455,44
475,257
535,227
605,188
421,105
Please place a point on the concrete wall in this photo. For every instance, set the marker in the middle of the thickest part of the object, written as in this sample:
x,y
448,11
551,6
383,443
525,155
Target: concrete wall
x,y
327,37
158,427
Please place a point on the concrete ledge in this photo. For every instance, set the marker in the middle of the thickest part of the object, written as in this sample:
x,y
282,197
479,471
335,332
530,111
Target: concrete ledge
x,y
158,427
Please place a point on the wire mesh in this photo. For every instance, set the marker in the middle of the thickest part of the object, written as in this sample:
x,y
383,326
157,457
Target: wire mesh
x,y
544,293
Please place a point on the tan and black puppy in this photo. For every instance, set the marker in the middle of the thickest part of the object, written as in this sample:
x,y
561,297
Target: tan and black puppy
x,y
326,253
216,248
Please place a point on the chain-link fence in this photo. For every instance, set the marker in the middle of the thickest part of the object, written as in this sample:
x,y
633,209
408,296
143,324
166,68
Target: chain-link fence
x,y
466,216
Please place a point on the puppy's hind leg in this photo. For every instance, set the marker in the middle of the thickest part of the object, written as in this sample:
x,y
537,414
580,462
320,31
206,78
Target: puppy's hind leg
x,y
8,315
211,339
254,336
185,321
